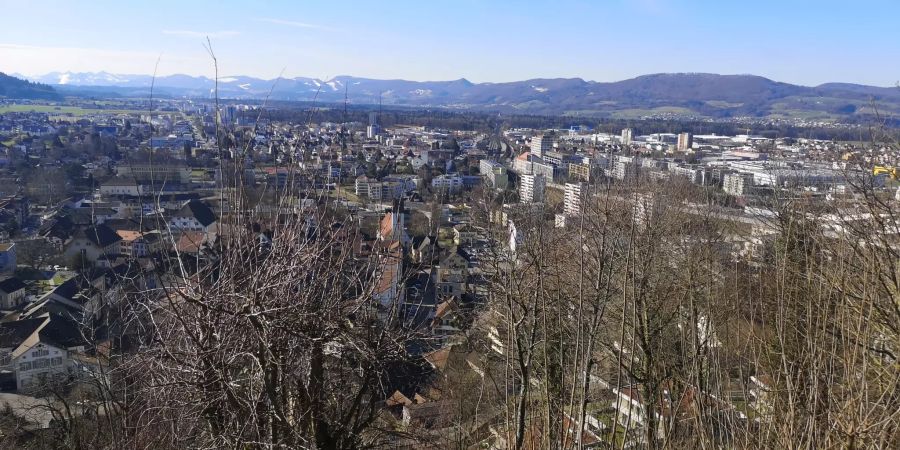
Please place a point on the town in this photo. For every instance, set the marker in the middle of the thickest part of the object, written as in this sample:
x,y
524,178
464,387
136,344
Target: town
x,y
117,201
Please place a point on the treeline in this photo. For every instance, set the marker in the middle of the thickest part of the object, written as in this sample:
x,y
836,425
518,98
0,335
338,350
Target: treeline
x,y
494,122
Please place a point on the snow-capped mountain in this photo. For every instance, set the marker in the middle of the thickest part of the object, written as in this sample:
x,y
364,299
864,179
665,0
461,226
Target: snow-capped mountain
x,y
699,94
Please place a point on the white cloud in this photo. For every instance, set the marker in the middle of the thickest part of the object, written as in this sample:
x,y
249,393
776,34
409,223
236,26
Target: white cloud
x,y
201,34
295,24
35,60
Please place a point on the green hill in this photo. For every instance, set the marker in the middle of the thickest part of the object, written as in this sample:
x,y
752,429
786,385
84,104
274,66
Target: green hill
x,y
12,87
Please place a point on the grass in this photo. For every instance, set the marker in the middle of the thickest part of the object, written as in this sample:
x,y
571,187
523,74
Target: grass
x,y
64,110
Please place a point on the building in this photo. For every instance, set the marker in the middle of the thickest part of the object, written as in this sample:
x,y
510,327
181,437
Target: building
x,y
542,144
696,174
8,257
381,190
624,170
157,172
93,243
452,273
193,216
580,171
573,201
737,184
40,350
685,142
627,136
494,173
548,171
12,293
448,183
531,188
522,164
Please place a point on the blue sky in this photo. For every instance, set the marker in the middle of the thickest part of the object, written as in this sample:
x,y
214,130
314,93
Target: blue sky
x,y
799,41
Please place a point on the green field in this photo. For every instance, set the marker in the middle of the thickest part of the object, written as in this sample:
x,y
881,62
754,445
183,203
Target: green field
x,y
64,110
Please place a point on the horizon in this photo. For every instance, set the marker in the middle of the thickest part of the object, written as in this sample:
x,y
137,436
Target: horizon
x,y
483,43
32,77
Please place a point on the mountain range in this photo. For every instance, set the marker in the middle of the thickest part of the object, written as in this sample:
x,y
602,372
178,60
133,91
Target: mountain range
x,y
678,94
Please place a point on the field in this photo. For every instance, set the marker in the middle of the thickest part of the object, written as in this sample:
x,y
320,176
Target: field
x,y
64,110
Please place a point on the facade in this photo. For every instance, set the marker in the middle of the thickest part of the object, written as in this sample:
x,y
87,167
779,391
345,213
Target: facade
x,y
685,142
522,164
449,183
193,216
93,243
39,350
495,174
542,144
580,171
380,190
122,186
624,170
696,174
531,188
737,184
627,136
157,172
12,293
573,202
452,273
548,171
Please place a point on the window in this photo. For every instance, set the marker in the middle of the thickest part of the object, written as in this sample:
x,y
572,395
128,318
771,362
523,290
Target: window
x,y
41,363
40,352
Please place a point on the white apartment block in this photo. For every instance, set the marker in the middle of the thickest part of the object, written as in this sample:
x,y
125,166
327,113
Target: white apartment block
x,y
573,201
737,184
542,144
531,188
627,136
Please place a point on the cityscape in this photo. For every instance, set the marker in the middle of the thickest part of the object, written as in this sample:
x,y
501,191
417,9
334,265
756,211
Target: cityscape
x,y
670,260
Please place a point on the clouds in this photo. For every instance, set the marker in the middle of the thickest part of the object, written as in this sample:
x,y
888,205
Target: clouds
x,y
201,34
294,24
39,60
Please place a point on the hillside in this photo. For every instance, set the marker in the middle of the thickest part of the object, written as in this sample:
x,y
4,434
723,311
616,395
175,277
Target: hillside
x,y
683,94
12,87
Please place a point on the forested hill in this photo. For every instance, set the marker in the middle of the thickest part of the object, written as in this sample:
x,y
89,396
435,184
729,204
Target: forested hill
x,y
12,87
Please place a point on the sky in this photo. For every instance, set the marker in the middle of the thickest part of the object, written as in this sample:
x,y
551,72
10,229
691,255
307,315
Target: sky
x,y
805,42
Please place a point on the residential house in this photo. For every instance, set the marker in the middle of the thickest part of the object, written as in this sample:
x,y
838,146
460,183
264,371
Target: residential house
x,y
464,234
12,293
39,350
93,243
193,216
451,274
136,244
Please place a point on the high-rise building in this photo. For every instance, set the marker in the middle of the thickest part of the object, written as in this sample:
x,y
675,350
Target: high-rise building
x,y
737,184
495,174
542,144
627,135
373,118
624,170
573,201
531,188
685,142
